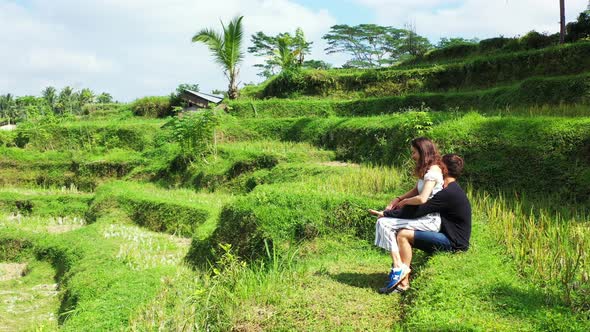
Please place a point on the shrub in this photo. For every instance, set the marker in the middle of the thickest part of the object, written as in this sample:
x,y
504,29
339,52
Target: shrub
x,y
177,212
7,138
502,153
195,133
535,40
479,72
279,216
493,44
580,29
451,52
153,107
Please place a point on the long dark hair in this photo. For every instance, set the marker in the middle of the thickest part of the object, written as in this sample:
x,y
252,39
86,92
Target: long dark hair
x,y
428,156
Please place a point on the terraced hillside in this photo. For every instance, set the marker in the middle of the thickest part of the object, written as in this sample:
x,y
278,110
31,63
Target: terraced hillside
x,y
108,224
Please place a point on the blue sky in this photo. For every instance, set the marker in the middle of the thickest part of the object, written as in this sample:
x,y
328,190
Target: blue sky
x,y
135,48
345,11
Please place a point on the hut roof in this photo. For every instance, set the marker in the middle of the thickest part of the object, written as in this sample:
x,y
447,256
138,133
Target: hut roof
x,y
206,96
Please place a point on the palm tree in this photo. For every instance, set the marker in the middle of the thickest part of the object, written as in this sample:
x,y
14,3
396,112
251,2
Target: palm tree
x,y
284,56
561,21
226,49
50,96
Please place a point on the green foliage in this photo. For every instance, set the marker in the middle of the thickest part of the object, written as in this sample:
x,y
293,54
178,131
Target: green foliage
x,y
507,147
482,289
536,91
580,29
176,96
195,133
175,212
459,49
451,52
316,64
48,133
374,46
276,216
480,72
453,41
153,107
282,52
44,203
104,98
226,49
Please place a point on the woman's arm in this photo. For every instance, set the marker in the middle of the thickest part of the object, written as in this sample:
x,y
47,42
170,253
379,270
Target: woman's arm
x,y
395,202
422,197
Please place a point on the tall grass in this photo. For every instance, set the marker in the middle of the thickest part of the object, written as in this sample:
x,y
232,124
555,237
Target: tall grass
x,y
362,180
212,300
549,247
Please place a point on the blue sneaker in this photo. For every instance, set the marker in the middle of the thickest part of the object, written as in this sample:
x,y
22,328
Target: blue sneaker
x,y
395,277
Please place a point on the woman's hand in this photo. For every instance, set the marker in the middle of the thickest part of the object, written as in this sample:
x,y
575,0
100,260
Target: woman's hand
x,y
379,214
402,203
394,204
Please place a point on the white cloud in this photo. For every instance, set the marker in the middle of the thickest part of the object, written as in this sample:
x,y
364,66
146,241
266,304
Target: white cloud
x,y
136,47
133,48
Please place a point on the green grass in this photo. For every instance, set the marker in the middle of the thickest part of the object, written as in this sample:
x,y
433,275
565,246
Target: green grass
x,y
480,72
535,96
179,212
484,290
29,302
271,232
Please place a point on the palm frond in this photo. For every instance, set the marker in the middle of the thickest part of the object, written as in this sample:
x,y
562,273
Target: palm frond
x,y
215,42
233,34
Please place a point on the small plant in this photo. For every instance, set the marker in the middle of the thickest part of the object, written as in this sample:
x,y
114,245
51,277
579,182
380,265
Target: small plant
x,y
195,133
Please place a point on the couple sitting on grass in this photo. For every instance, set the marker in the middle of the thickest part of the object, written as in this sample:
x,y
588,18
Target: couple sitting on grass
x,y
434,216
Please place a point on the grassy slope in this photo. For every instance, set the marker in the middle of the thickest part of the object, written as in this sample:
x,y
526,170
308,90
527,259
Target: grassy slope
x,y
29,302
482,290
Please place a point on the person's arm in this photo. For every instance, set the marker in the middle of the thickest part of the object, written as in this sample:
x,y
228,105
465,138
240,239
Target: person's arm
x,y
395,202
422,197
436,204
434,173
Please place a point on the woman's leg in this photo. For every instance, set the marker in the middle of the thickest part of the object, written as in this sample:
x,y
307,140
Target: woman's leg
x,y
405,240
386,238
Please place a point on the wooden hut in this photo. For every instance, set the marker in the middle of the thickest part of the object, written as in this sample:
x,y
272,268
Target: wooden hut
x,y
198,100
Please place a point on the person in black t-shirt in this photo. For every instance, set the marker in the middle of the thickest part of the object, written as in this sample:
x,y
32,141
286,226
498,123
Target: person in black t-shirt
x,y
455,211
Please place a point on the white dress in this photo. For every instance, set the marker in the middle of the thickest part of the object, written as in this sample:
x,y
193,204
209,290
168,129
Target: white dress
x,y
386,228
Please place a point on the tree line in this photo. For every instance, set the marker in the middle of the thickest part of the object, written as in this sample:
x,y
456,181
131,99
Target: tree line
x,y
368,45
67,102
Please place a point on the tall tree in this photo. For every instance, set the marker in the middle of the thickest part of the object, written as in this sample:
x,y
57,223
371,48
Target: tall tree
x,y
446,42
301,46
414,44
561,21
7,106
86,96
104,98
226,49
65,101
283,51
50,96
370,45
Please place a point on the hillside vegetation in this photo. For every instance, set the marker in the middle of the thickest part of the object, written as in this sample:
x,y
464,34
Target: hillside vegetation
x,y
255,218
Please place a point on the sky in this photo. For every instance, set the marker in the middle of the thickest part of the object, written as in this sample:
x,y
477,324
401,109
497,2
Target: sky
x,y
136,48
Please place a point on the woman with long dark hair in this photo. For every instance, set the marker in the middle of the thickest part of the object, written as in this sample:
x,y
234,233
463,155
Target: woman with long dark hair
x,y
430,172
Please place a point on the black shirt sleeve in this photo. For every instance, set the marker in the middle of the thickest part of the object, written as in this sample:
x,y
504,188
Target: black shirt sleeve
x,y
436,204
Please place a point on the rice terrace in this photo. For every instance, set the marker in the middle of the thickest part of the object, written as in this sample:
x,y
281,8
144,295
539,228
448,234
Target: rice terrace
x,y
251,198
